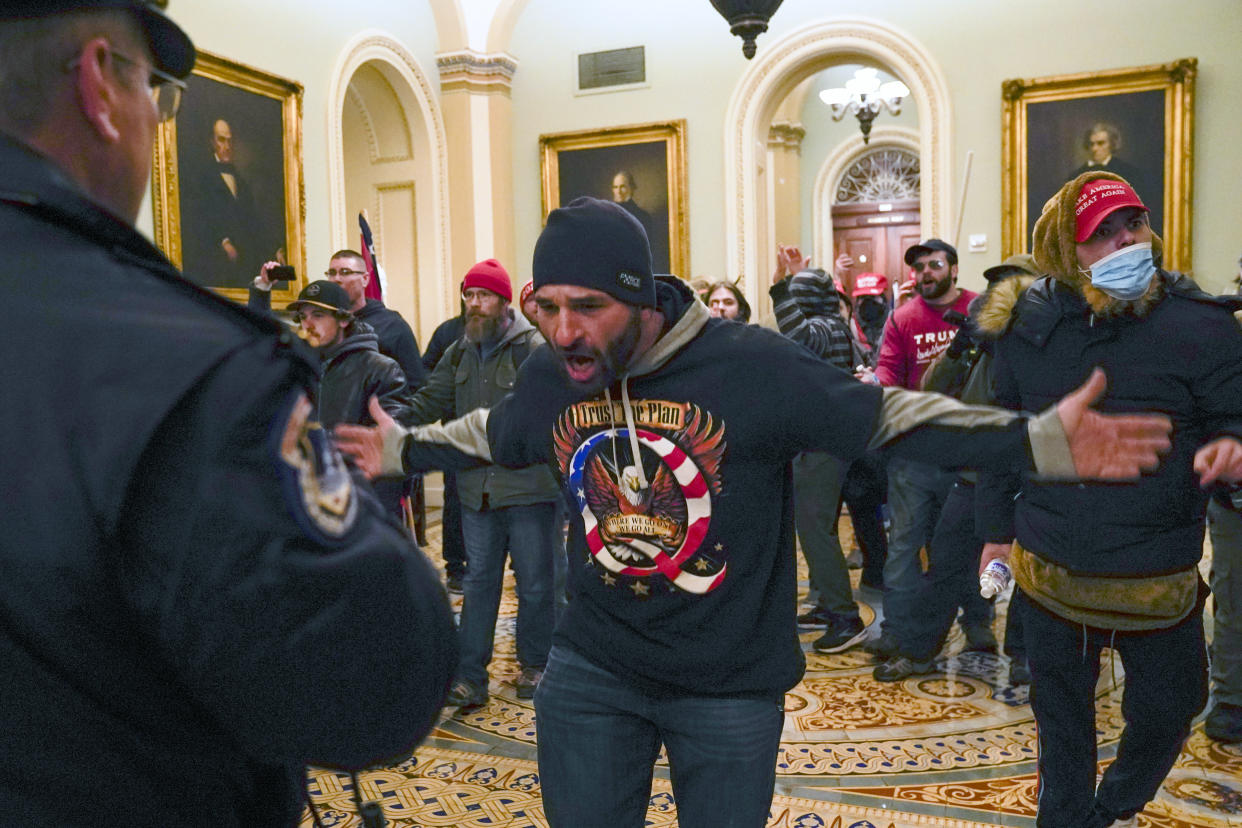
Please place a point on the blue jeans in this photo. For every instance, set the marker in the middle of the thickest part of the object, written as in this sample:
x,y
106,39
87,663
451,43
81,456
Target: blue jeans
x,y
599,737
528,533
951,581
916,492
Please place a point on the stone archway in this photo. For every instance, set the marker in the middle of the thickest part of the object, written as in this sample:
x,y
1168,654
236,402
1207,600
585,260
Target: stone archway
x,y
377,67
777,71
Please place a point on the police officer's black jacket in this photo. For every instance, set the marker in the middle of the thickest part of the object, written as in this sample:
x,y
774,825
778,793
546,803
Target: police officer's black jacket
x,y
189,611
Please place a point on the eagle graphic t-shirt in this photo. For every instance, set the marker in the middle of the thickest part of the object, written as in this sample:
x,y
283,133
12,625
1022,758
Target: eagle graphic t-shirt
x,y
682,564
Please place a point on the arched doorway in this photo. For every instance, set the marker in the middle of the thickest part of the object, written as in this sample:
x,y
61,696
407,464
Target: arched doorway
x,y
766,83
875,212
386,155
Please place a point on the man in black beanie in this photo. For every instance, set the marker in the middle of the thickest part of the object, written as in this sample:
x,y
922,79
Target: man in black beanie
x,y
673,433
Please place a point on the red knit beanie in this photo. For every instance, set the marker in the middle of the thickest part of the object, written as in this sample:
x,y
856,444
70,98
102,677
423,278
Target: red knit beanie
x,y
489,274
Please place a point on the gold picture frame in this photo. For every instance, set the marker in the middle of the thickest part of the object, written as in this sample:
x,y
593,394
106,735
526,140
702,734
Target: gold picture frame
x,y
1149,110
253,202
588,162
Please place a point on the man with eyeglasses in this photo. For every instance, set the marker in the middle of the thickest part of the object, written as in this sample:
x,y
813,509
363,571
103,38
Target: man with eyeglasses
x,y
917,333
349,270
186,557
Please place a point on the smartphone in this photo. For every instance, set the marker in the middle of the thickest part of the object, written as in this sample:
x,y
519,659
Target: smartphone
x,y
281,273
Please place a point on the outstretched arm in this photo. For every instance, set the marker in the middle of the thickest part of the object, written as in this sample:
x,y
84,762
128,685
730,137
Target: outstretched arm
x,y
389,450
1068,441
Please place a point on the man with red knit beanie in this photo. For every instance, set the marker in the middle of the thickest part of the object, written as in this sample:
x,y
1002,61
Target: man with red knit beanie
x,y
513,510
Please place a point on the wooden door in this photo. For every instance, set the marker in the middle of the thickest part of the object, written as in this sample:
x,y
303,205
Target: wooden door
x,y
876,236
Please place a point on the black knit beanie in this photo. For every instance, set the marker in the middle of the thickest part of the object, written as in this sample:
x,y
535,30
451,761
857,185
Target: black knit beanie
x,y
599,245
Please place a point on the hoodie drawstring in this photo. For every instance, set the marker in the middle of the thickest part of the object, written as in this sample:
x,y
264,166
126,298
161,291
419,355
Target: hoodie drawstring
x,y
633,476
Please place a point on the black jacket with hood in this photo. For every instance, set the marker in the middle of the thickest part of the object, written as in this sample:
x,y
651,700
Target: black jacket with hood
x,y
352,372
683,563
1175,350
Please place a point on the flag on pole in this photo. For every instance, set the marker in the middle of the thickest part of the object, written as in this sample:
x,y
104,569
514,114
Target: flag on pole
x,y
374,289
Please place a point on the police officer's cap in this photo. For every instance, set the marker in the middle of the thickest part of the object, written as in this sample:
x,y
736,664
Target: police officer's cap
x,y
170,46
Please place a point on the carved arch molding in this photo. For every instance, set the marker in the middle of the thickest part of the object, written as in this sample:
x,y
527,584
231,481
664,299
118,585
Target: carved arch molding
x,y
776,71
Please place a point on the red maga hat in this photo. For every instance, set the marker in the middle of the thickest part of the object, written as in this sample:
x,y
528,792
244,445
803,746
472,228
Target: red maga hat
x,y
870,284
1097,200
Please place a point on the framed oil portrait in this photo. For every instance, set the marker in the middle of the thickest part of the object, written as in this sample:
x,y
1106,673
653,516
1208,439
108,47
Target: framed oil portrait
x,y
642,167
227,189
1138,123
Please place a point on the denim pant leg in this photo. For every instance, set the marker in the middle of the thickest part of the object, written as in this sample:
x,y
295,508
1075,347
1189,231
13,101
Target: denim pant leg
x,y
597,745
817,492
486,537
1158,711
916,492
722,758
953,558
1226,528
532,545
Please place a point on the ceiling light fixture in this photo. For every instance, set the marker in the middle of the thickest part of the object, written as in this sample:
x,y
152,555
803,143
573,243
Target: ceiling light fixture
x,y
747,19
864,95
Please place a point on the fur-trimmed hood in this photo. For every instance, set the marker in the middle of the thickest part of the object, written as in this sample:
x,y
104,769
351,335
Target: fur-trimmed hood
x,y
1055,251
997,303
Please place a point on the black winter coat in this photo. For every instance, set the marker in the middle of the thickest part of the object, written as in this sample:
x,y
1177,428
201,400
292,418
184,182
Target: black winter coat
x,y
396,340
352,373
1184,358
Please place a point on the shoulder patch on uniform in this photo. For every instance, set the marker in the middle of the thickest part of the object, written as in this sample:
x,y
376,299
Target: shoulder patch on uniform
x,y
318,488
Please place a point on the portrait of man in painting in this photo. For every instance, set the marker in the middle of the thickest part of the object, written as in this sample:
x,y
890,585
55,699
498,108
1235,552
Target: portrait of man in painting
x,y
1119,133
633,175
231,174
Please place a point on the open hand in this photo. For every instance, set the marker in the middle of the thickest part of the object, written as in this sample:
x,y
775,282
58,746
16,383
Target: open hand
x,y
365,444
1220,460
1110,446
904,291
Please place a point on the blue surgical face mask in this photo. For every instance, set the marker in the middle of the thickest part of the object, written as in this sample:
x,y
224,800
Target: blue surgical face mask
x,y
1125,274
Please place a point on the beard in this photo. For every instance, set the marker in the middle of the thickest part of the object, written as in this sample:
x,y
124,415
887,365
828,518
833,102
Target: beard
x,y
934,289
481,327
608,364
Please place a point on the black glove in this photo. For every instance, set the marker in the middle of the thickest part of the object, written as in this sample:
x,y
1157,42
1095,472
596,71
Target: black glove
x,y
961,343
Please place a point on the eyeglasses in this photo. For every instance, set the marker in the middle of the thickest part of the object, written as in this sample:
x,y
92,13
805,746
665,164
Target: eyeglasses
x,y
931,264
165,89
344,271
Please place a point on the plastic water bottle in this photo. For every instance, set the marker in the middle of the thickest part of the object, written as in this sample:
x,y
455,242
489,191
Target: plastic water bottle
x,y
995,579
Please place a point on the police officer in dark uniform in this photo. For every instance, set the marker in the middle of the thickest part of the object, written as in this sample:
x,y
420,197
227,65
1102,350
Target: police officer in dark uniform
x,y
198,598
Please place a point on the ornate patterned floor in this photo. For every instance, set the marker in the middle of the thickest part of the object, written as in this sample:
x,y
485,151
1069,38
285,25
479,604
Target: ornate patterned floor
x,y
954,749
